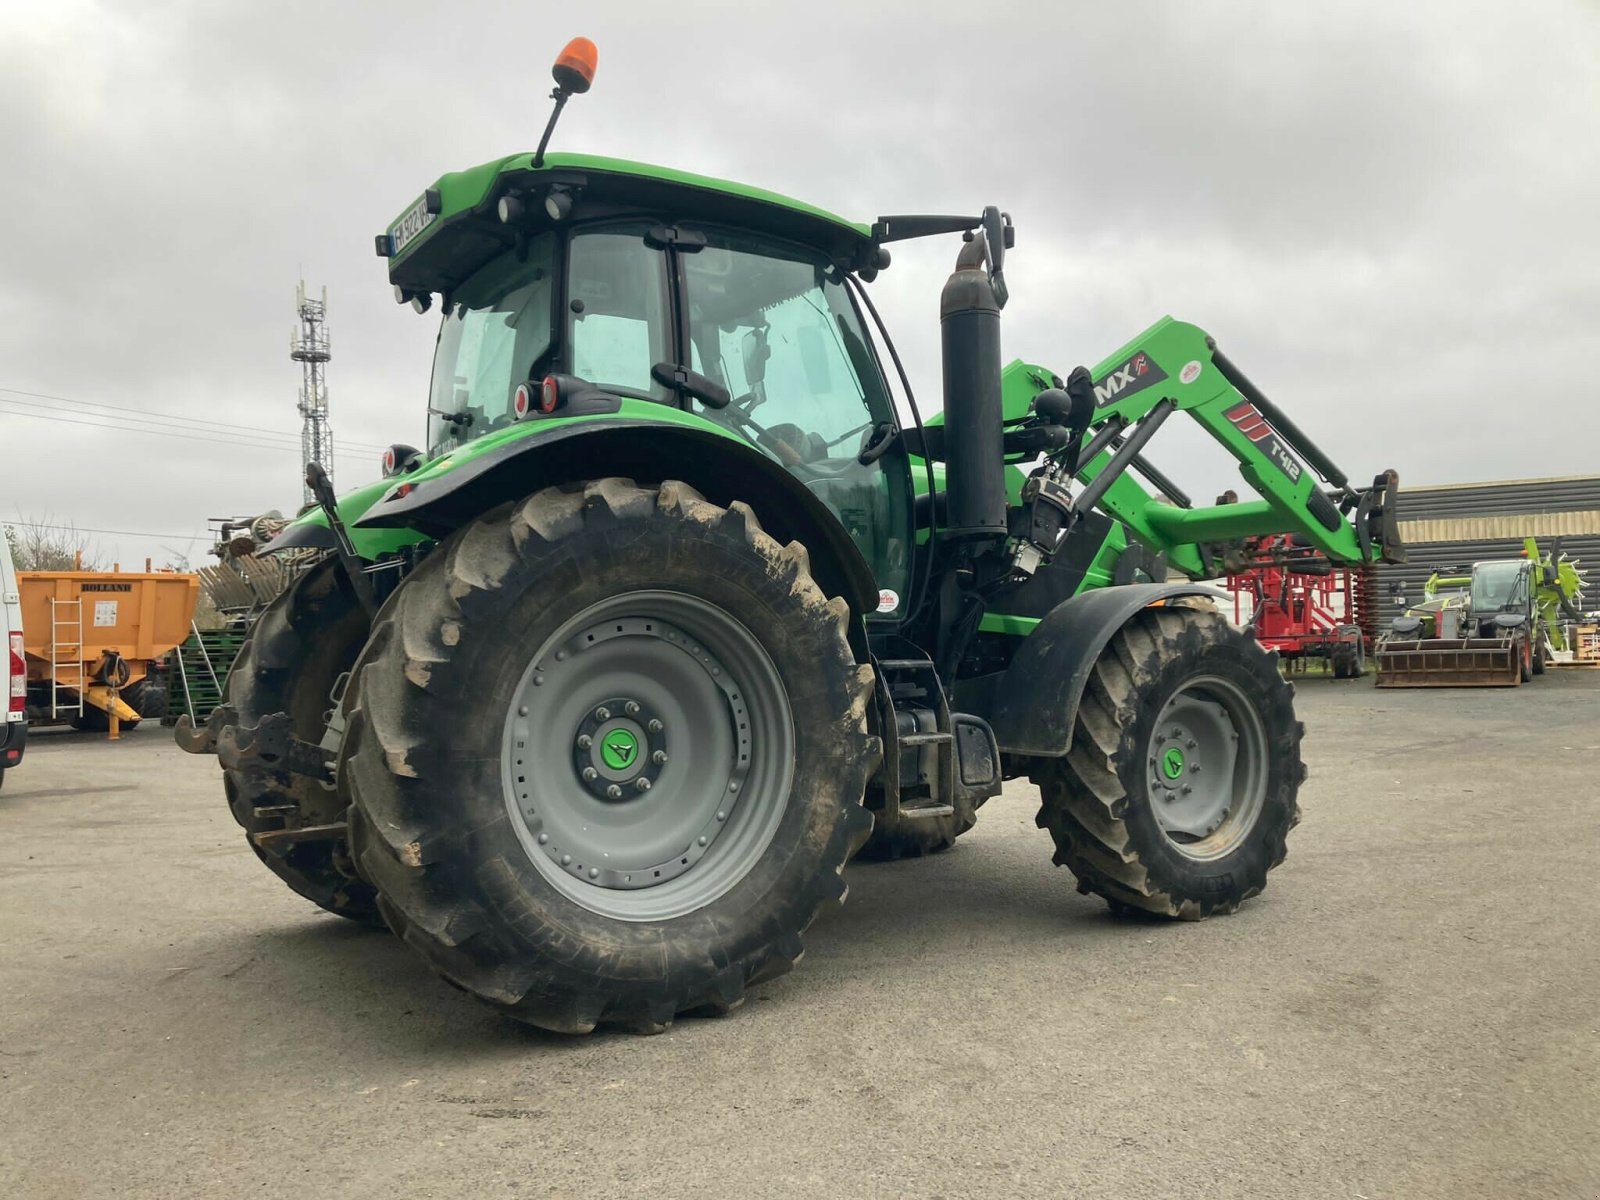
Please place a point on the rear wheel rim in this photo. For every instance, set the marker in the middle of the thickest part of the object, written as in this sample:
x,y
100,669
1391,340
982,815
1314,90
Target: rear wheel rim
x,y
1207,768
648,755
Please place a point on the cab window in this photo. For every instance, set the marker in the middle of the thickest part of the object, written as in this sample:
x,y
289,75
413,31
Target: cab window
x,y
617,310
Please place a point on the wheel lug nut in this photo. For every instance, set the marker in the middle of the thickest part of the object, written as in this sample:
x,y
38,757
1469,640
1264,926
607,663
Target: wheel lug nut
x,y
1191,743
733,785
614,792
543,838
659,758
641,784
590,774
523,711
594,872
602,713
631,708
566,860
722,816
703,839
1187,789
584,741
1177,732
1194,768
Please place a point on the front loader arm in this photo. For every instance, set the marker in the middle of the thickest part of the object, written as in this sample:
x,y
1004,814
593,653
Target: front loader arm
x,y
1175,367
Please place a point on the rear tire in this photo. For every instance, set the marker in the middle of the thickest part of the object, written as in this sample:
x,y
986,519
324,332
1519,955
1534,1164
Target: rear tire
x,y
298,648
1131,814
522,879
148,698
1525,660
1538,656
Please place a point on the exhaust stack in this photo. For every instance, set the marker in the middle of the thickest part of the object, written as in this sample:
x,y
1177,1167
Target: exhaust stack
x,y
969,327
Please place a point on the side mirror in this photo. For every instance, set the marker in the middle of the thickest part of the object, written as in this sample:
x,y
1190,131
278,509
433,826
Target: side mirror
x,y
754,350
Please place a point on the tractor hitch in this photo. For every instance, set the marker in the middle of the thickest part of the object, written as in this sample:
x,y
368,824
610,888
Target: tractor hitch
x,y
271,745
268,745
202,739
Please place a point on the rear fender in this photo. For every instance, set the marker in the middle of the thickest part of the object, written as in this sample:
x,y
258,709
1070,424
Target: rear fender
x,y
721,468
1037,698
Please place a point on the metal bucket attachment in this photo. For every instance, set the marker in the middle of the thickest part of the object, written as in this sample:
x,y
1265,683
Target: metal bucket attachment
x,y
1448,662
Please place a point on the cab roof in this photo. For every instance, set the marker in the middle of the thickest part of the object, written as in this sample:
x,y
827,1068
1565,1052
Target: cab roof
x,y
448,233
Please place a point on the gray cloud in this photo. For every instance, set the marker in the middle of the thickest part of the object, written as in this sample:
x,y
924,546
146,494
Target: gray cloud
x,y
1384,213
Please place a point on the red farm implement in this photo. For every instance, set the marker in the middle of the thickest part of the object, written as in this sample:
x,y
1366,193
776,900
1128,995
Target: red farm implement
x,y
1295,601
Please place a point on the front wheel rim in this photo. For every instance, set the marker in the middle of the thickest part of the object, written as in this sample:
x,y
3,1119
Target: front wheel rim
x,y
648,755
1207,768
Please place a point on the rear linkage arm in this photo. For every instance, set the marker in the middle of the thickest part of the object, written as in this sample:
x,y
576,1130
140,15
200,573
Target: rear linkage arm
x,y
268,745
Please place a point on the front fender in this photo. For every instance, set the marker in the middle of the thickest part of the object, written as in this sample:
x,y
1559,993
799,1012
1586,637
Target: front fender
x,y
1037,699
723,468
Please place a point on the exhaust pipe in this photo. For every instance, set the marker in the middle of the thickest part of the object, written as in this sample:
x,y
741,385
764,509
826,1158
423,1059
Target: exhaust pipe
x,y
969,328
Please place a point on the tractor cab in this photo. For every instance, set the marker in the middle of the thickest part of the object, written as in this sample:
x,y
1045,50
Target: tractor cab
x,y
1502,586
660,290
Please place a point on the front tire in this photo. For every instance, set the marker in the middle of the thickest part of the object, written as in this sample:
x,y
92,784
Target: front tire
x,y
520,686
1134,813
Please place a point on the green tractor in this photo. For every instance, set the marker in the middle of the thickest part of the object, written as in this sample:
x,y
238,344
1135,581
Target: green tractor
x,y
683,606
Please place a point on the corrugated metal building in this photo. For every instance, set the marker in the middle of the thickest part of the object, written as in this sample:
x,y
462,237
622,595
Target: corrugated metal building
x,y
1458,524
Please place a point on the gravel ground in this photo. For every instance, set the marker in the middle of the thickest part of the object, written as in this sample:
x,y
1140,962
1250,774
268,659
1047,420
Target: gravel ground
x,y
1410,1010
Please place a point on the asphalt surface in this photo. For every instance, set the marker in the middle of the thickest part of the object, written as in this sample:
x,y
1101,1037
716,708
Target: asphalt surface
x,y
1412,1009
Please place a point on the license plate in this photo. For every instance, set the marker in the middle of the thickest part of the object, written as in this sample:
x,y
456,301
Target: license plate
x,y
409,227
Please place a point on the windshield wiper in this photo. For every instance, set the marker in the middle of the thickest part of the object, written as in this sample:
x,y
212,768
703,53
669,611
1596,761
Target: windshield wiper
x,y
458,419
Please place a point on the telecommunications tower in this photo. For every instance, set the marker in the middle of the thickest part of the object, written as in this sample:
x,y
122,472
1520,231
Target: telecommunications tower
x,y
308,346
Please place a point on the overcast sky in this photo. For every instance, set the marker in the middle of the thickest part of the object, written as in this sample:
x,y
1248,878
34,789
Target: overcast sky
x,y
1386,213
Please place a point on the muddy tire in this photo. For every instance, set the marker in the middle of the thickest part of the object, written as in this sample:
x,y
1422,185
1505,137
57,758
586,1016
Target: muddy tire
x,y
301,644
1538,655
1525,670
1180,788
607,750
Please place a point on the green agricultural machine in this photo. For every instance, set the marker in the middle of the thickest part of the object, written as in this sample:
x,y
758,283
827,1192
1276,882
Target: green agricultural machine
x,y
1490,625
592,699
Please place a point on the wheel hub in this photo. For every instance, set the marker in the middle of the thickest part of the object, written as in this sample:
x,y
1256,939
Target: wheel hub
x,y
675,731
1205,782
620,749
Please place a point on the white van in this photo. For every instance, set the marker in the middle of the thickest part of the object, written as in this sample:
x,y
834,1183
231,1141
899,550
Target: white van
x,y
14,730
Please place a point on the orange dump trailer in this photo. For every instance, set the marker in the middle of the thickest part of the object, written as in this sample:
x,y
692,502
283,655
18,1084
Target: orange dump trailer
x,y
94,639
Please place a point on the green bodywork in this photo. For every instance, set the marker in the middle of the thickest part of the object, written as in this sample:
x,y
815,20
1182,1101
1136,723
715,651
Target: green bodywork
x,y
464,191
1183,354
373,541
